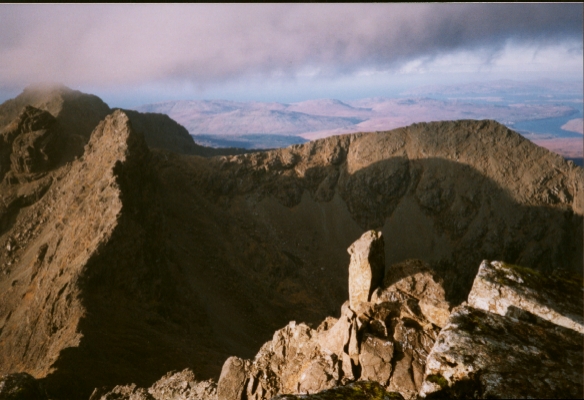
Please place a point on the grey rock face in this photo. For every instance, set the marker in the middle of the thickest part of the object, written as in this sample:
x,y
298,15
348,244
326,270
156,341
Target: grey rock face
x,y
499,286
485,355
366,268
519,336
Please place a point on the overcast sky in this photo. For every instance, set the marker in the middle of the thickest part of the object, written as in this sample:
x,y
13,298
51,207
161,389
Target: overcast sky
x,y
135,54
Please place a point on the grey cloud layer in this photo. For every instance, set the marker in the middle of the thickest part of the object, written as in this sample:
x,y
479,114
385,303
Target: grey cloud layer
x,y
113,44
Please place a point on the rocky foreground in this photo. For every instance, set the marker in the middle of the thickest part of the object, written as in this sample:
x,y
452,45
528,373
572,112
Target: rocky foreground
x,y
404,340
125,255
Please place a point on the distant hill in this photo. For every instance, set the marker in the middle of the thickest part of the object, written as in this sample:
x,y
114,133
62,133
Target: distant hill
x,y
219,123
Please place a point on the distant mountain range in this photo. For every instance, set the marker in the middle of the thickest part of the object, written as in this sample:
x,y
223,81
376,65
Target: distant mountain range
x,y
321,118
222,123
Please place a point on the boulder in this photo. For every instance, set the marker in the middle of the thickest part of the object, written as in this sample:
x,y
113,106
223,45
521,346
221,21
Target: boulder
x,y
375,359
367,267
480,354
417,280
232,380
556,298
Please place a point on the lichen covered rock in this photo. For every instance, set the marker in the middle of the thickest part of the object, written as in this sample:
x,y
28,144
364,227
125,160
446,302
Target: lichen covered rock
x,y
485,355
558,299
519,336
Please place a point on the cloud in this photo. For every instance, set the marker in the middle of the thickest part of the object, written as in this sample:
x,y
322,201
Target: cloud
x,y
202,44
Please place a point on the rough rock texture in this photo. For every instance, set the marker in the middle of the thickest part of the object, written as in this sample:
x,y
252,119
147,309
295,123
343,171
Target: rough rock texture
x,y
367,267
386,340
502,288
29,144
233,377
21,386
88,295
520,336
76,114
161,132
416,279
183,386
485,355
122,392
173,386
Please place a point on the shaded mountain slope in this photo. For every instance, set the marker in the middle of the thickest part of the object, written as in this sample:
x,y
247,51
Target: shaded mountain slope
x,y
450,193
131,262
162,132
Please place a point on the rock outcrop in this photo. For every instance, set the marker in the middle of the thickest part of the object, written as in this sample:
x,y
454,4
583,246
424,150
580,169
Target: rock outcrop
x,y
173,386
501,288
77,114
484,355
367,267
85,276
383,338
519,336
30,144
527,351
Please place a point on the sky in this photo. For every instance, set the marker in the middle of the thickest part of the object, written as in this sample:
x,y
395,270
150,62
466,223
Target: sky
x,y
136,54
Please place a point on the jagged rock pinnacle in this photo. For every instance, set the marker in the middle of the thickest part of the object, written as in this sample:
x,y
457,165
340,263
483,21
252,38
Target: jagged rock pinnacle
x,y
367,267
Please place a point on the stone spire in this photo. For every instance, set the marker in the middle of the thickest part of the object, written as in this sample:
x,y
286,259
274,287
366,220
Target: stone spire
x,y
367,267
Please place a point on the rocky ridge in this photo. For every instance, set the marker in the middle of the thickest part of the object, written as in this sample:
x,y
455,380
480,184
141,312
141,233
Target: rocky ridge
x,y
386,347
121,266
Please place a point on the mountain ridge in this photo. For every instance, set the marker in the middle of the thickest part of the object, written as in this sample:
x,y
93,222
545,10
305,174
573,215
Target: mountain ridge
x,y
130,249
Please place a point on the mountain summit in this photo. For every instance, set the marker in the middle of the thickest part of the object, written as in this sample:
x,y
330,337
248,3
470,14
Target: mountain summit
x,y
125,255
